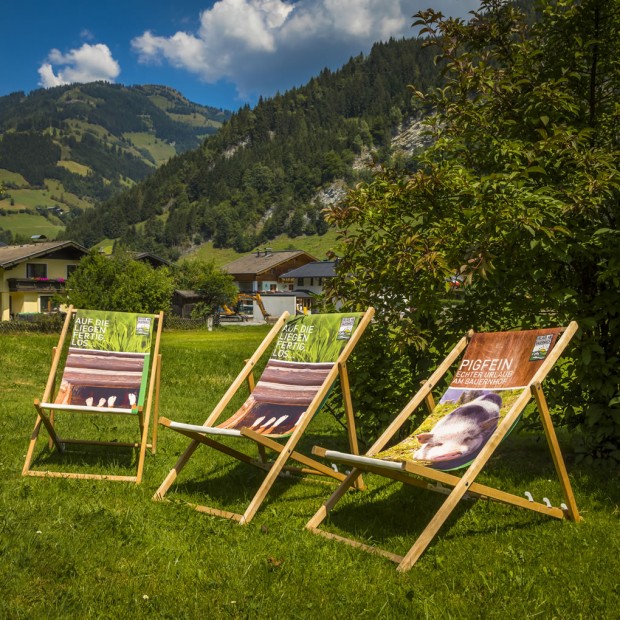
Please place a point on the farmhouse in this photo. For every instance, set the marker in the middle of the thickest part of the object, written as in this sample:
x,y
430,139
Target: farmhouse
x,y
31,274
261,271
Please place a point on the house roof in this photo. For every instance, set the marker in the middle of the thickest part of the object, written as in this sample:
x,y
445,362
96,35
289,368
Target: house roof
x,y
152,259
11,255
187,294
320,269
260,262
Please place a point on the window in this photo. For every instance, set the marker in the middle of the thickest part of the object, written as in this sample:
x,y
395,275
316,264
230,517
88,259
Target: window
x,y
71,269
36,270
273,288
311,281
300,281
320,281
46,303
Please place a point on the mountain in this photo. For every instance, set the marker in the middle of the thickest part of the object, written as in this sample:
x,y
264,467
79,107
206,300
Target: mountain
x,y
63,149
270,169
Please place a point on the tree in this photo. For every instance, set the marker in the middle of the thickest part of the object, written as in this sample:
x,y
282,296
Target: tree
x,y
118,282
216,287
518,195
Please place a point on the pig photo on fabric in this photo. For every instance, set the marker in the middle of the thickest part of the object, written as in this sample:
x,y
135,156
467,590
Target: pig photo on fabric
x,y
459,436
457,430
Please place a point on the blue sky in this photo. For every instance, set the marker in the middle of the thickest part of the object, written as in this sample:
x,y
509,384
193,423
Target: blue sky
x,y
225,53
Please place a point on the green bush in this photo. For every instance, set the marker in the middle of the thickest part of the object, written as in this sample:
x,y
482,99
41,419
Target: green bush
x,y
119,283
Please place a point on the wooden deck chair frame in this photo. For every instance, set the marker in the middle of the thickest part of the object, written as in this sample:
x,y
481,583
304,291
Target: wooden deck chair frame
x,y
461,485
46,413
284,452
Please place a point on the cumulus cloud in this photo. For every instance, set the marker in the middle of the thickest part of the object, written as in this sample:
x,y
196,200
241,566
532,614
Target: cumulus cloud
x,y
89,63
268,45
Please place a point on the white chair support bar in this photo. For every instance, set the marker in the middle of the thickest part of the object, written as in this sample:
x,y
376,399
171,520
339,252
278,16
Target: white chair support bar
x,y
59,407
206,430
353,459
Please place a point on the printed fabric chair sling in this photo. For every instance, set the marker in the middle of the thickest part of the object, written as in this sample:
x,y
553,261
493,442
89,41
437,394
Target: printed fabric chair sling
x,y
310,353
112,367
498,375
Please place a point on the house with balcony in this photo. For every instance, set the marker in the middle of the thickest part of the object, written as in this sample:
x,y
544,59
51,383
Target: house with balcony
x,y
31,274
261,271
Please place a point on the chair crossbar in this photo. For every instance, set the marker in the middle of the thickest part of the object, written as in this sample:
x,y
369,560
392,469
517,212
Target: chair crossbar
x,y
59,407
207,430
354,459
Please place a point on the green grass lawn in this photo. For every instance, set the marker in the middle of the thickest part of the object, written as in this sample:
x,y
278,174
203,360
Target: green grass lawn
x,y
81,549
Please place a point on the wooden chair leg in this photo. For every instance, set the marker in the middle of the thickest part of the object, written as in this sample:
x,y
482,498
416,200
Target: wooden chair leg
x,y
156,407
556,453
348,408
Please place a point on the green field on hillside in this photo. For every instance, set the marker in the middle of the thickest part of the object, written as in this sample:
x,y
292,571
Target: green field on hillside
x,y
106,245
29,224
75,167
6,176
160,151
28,199
161,101
56,189
82,127
26,224
195,120
317,245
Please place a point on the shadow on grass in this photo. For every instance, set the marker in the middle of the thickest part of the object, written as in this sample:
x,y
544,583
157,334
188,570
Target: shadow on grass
x,y
393,514
231,484
88,458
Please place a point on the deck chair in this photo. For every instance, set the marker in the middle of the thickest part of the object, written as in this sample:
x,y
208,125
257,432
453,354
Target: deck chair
x,y
498,375
310,353
112,366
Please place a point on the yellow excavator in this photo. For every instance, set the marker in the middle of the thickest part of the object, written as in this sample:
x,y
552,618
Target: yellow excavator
x,y
254,297
259,302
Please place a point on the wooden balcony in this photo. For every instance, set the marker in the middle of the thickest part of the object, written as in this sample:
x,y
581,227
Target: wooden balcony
x,y
38,285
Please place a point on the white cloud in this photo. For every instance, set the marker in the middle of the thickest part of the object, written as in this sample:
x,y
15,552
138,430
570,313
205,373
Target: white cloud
x,y
89,63
267,45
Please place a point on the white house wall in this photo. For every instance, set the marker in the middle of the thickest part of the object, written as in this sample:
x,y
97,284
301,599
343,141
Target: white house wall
x,y
275,306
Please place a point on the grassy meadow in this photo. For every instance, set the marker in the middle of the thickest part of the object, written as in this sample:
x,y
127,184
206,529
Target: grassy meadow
x,y
317,245
22,196
81,549
160,151
26,224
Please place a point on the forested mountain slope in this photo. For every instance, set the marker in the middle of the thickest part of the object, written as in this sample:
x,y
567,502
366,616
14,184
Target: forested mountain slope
x,y
63,149
262,173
